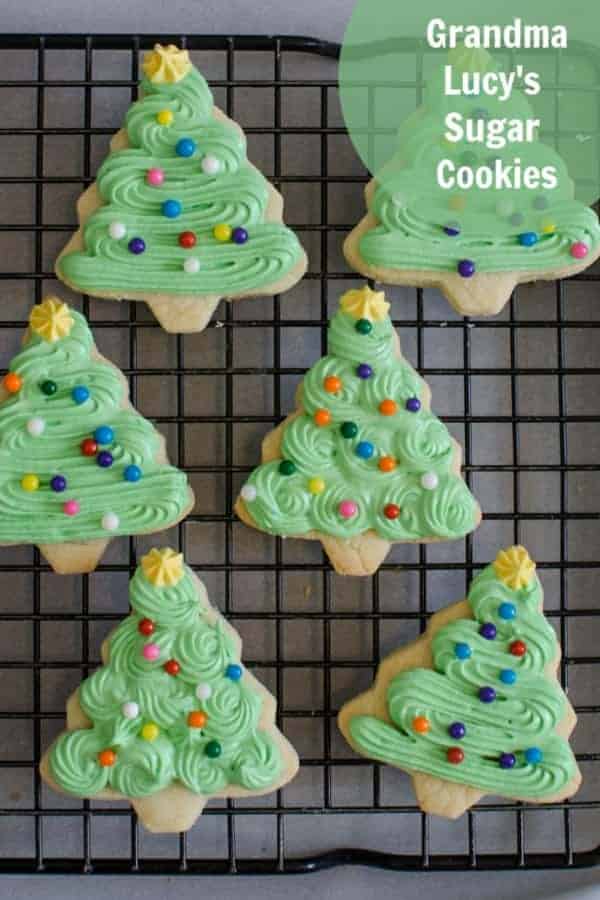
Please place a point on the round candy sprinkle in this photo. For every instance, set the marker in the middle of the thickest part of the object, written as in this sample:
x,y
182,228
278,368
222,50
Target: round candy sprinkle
x,y
452,229
239,235
222,232
533,755
146,626
517,219
248,493
462,650
349,429
364,370
107,758
487,694
151,652
508,676
518,648
507,611
332,384
171,209
213,749
110,521
12,382
58,483
117,230
210,164
132,473
80,394
48,388
104,459
457,730
488,631
150,731
386,464
507,760
548,226
316,485
136,245
347,509
287,467
322,417
191,265
155,177
89,447
455,755
413,404
172,667
540,202
364,327
71,508
466,268
185,147
388,407
391,511
130,709
233,671
457,203
579,250
505,207
36,426
104,435
420,724
365,450
528,238
187,239
429,481
203,691
196,719
30,483
164,117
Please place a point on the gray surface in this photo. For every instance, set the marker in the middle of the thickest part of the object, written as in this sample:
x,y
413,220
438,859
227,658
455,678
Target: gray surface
x,y
351,641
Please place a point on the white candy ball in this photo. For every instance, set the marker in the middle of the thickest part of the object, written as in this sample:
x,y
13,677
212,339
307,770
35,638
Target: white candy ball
x,y
110,521
505,207
429,481
210,165
36,426
130,710
192,265
203,691
117,230
248,493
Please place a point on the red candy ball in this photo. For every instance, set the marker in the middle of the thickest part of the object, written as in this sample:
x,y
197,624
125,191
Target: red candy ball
x,y
172,667
146,626
89,447
454,755
187,239
391,511
518,648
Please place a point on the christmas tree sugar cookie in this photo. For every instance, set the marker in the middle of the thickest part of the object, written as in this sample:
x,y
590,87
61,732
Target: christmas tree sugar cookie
x,y
172,718
474,706
474,245
78,464
363,462
177,216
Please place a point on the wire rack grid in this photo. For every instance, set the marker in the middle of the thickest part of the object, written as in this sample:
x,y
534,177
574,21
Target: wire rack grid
x,y
519,392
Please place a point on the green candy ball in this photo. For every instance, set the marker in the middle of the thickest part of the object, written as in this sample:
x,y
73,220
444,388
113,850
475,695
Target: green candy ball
x,y
213,749
49,387
287,467
349,429
363,326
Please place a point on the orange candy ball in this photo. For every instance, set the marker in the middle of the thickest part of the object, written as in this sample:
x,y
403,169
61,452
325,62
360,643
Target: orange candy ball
x,y
197,719
12,382
420,724
387,464
107,757
332,384
322,417
388,407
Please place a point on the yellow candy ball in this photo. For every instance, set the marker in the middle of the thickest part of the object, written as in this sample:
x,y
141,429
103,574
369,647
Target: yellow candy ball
x,y
164,117
548,227
316,485
30,482
222,232
150,731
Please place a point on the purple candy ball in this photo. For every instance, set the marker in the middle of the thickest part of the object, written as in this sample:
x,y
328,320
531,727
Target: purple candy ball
x,y
58,483
364,370
457,730
507,760
239,235
104,459
488,631
413,404
466,268
487,694
137,245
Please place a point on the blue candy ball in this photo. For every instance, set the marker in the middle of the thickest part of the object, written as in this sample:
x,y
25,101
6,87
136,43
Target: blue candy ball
x,y
59,483
132,473
487,694
80,394
233,671
137,245
528,239
507,611
508,676
104,435
534,755
463,651
507,760
365,450
185,147
171,209
457,730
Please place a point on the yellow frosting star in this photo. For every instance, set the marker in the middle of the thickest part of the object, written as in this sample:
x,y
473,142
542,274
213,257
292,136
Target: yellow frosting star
x,y
469,59
163,567
365,304
166,64
51,319
514,567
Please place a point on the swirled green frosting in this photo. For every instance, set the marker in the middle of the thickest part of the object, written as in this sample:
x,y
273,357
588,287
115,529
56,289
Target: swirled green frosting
x,y
237,195
412,209
418,442
153,503
248,757
524,714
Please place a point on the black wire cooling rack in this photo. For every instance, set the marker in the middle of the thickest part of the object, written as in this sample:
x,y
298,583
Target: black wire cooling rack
x,y
346,810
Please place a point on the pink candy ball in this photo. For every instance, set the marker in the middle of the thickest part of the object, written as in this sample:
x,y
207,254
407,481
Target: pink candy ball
x,y
151,651
71,507
347,509
155,177
579,250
